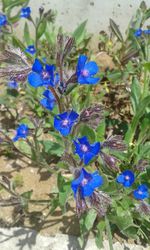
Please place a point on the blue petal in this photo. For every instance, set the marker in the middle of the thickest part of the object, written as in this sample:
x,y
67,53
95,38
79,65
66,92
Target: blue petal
x,y
127,183
120,178
143,188
87,157
138,196
16,138
86,174
91,67
35,80
82,80
78,150
130,174
50,68
95,148
37,66
48,94
57,123
73,115
75,183
81,62
84,140
63,115
96,181
65,130
47,104
87,190
92,80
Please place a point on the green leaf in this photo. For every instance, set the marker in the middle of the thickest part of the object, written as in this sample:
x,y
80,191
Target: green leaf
x,y
99,236
17,43
52,148
135,94
64,191
41,29
131,232
122,222
90,218
89,132
115,75
27,194
147,66
115,29
28,122
140,112
100,131
24,147
27,34
80,32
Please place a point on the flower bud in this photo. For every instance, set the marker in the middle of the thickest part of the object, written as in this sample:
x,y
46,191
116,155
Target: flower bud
x,y
142,165
143,208
110,161
92,115
115,143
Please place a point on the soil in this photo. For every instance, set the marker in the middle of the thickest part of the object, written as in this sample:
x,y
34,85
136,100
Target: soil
x,y
42,183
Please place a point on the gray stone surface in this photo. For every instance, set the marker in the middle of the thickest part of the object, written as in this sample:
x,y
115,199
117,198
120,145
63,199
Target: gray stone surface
x,y
26,239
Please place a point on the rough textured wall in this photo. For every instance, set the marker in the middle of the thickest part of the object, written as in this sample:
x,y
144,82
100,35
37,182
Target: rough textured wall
x,y
98,12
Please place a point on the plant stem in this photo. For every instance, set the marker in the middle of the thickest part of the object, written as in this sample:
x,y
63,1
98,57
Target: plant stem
x,y
57,98
109,235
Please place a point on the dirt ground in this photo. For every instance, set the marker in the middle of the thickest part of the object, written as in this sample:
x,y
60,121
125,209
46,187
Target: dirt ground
x,y
29,178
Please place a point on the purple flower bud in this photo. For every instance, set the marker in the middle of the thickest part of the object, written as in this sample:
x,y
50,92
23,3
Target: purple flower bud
x,y
110,161
41,10
81,206
100,201
142,165
115,143
92,115
143,208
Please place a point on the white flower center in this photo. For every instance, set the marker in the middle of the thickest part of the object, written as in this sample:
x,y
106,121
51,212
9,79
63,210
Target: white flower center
x,y
84,148
140,192
85,72
65,122
45,75
84,182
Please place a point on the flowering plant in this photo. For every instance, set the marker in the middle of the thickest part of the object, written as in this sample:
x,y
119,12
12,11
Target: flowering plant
x,y
108,170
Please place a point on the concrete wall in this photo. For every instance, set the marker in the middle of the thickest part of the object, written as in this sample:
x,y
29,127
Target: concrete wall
x,y
98,12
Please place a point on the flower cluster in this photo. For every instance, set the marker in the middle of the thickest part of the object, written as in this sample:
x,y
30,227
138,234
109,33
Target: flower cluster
x,y
25,12
21,132
3,20
85,185
127,178
85,194
139,32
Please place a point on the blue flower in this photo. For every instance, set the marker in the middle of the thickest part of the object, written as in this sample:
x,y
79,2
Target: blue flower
x,y
13,85
30,49
21,132
141,192
49,101
126,178
86,183
86,70
138,33
146,32
65,121
25,12
3,20
42,76
86,151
